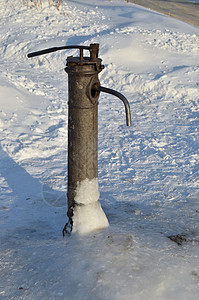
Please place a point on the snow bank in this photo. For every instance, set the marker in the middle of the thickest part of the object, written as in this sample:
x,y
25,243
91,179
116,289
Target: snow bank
x,y
88,214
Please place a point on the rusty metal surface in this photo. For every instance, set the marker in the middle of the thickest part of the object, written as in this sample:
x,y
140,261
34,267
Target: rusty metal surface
x,y
82,125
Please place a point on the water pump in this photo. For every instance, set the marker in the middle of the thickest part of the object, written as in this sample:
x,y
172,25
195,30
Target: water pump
x,y
84,89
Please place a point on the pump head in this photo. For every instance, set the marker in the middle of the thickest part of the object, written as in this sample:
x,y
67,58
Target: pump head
x,y
93,59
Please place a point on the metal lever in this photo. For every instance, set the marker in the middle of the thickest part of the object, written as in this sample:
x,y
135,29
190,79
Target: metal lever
x,y
124,100
93,48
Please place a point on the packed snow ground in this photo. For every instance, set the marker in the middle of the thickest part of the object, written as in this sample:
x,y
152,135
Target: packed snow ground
x,y
148,174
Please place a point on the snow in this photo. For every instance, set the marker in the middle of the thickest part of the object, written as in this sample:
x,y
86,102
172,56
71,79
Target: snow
x,y
88,215
148,173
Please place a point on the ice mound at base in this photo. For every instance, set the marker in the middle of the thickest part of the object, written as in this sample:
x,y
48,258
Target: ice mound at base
x,y
88,214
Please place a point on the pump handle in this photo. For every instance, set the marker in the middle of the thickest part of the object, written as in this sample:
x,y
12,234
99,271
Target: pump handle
x,y
93,48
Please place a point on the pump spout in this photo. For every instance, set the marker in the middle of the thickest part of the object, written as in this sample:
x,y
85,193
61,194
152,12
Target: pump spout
x,y
121,97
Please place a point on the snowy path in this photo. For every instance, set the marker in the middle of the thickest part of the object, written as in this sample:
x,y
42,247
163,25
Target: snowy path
x,y
148,174
187,11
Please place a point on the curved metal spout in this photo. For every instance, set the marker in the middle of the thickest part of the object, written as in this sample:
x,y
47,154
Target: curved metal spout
x,y
124,100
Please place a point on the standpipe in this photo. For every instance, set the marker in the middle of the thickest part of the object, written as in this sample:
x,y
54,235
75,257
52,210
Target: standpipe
x,y
83,94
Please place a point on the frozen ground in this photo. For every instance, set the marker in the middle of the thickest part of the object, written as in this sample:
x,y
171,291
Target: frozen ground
x,y
148,174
